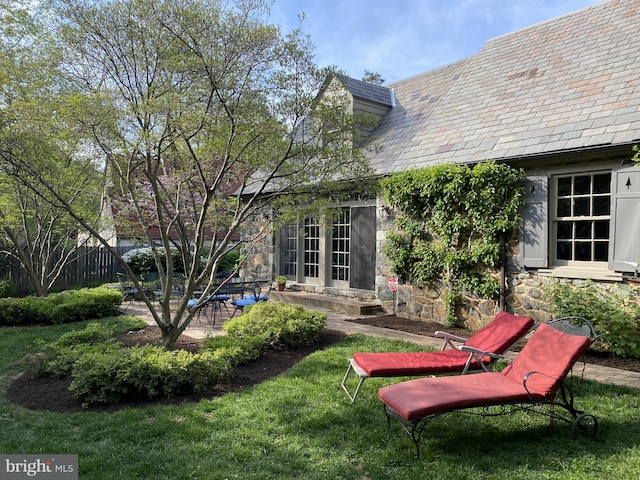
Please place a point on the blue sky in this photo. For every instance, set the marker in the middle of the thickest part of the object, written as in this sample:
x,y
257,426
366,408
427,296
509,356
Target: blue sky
x,y
402,38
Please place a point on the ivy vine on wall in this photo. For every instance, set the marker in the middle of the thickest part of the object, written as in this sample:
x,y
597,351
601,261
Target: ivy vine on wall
x,y
452,222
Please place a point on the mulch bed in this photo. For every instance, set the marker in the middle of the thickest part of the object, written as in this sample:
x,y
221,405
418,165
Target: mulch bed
x,y
53,395
50,394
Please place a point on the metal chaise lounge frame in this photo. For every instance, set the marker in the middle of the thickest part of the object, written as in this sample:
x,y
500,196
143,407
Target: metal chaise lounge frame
x,y
474,354
533,382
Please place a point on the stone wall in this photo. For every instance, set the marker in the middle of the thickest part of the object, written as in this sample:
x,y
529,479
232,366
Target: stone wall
x,y
525,295
524,291
258,247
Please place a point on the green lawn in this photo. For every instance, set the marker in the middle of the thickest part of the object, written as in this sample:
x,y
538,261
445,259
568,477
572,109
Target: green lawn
x,y
301,425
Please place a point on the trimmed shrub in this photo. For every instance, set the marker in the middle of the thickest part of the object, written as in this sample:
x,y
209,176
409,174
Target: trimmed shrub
x,y
93,333
57,308
60,362
146,371
237,350
277,324
17,311
58,357
104,371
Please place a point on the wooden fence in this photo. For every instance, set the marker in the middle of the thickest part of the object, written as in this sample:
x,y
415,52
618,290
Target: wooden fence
x,y
93,266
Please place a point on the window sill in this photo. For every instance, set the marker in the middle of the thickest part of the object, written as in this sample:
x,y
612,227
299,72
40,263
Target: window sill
x,y
584,273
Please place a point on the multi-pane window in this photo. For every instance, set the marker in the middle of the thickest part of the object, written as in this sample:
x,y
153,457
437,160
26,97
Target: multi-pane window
x,y
340,239
582,217
311,248
290,250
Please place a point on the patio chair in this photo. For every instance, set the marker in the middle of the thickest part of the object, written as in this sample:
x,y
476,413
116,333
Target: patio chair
x,y
215,302
474,354
529,383
129,291
256,296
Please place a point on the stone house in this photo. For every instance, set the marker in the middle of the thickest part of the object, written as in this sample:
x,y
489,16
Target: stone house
x,y
561,100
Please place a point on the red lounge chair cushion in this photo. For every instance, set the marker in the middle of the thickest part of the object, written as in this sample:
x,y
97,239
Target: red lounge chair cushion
x,y
500,333
496,337
550,352
392,364
415,399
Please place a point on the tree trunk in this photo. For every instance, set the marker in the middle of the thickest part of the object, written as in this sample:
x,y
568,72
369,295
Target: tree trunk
x,y
170,336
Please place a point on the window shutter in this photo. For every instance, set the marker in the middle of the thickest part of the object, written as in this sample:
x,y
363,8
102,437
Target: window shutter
x,y
363,248
534,238
625,219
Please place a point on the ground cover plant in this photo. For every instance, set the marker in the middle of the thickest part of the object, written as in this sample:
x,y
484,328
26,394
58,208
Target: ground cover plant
x,y
301,425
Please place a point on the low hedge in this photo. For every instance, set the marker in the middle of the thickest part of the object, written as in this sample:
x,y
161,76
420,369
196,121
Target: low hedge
x,y
57,308
105,371
238,351
145,371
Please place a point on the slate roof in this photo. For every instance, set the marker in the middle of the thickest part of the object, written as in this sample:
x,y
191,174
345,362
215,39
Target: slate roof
x,y
367,91
566,84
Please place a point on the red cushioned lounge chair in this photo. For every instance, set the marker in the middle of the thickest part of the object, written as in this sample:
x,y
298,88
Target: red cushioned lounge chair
x,y
530,383
473,354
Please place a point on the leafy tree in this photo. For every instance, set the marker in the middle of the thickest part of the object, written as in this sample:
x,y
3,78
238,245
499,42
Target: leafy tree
x,y
190,101
452,225
35,130
373,77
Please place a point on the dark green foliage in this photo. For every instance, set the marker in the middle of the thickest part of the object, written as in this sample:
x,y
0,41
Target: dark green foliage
x,y
277,324
229,261
105,371
146,371
616,318
59,361
7,289
94,332
237,350
63,307
57,358
452,223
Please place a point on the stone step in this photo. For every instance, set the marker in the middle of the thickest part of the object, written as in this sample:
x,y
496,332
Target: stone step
x,y
327,302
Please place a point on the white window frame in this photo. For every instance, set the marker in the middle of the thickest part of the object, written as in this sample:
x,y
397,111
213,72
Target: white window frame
x,y
555,220
544,206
